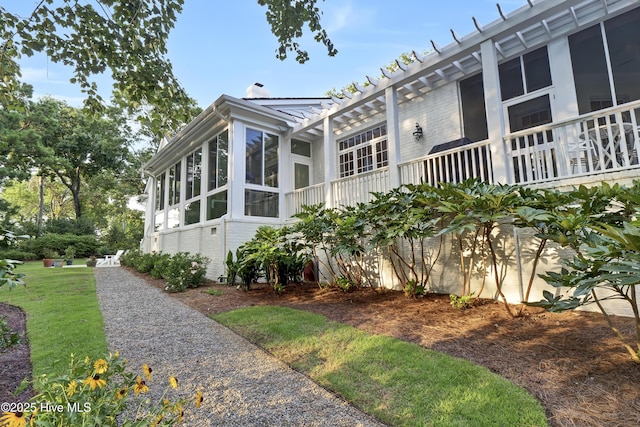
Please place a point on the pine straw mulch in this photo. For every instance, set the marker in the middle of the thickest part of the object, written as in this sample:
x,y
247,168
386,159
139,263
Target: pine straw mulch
x,y
570,361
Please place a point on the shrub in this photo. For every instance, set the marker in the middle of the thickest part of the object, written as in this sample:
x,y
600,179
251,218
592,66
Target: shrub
x,y
184,271
85,245
18,255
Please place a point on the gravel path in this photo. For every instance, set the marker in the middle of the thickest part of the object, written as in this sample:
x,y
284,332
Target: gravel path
x,y
242,385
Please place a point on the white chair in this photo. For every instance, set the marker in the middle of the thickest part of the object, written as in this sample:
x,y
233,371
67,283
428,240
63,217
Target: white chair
x,y
110,260
581,152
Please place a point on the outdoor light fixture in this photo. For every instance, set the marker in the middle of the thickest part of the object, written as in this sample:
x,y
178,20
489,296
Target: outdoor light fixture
x,y
417,133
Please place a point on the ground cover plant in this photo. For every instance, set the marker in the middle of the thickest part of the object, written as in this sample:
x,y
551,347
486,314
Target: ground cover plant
x,y
180,271
400,383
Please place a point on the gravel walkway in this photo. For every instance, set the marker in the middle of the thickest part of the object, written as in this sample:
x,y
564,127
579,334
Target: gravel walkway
x,y
242,385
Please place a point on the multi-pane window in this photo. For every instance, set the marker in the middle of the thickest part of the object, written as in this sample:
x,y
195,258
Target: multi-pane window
x,y
525,74
363,152
605,53
218,176
261,171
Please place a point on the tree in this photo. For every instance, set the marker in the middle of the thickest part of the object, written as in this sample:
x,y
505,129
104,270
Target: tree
x,y
79,145
129,38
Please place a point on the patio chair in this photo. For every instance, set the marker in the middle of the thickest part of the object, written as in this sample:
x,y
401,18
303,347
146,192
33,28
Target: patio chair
x,y
110,260
581,152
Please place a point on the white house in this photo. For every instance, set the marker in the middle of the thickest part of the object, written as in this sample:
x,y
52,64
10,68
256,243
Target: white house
x,y
548,95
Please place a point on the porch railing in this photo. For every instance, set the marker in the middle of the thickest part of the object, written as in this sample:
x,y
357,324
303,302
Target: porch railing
x,y
357,189
312,195
455,165
603,141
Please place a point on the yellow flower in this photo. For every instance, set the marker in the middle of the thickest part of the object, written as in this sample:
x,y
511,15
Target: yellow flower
x,y
100,366
140,387
13,419
86,360
121,393
173,382
147,371
94,381
179,411
71,388
157,421
198,398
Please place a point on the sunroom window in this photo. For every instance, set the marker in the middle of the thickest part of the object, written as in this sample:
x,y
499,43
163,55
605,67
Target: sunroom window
x,y
474,113
193,185
594,68
525,74
218,176
262,167
160,202
363,152
175,178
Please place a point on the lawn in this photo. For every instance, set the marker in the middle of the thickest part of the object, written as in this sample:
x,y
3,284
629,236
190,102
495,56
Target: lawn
x,y
63,315
400,383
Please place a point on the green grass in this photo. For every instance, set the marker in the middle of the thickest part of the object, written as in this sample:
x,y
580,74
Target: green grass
x,y
214,292
399,383
63,315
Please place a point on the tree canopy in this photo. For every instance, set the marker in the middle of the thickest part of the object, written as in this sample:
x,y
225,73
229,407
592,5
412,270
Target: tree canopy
x,y
128,38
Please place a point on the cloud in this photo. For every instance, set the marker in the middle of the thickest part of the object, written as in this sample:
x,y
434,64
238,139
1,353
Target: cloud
x,y
345,15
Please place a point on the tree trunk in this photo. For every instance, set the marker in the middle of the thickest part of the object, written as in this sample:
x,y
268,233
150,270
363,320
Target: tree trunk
x,y
41,205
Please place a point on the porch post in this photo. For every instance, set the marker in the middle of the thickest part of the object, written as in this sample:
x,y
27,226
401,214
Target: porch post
x,y
329,161
393,136
493,105
236,179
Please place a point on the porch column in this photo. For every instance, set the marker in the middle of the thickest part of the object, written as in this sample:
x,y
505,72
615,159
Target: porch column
x,y
329,161
237,156
393,136
493,105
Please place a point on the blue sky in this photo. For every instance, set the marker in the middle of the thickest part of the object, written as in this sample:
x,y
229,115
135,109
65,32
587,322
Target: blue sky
x,y
224,46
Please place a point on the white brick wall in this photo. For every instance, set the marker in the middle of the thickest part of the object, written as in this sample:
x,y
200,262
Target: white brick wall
x,y
437,113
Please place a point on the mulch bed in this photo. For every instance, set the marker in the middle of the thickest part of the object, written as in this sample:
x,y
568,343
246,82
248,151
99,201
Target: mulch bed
x,y
15,362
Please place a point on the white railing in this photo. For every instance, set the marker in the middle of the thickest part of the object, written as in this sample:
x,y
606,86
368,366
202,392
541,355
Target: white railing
x,y
357,189
454,165
312,195
603,141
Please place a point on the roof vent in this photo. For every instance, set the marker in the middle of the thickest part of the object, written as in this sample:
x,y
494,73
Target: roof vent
x,y
257,90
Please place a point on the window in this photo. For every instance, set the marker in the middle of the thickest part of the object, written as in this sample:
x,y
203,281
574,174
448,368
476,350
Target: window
x,y
160,199
174,184
193,185
301,148
261,171
262,158
261,203
474,113
218,176
218,161
592,77
363,152
528,114
216,205
530,71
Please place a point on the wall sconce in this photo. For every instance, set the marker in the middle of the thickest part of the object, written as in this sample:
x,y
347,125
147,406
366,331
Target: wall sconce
x,y
417,133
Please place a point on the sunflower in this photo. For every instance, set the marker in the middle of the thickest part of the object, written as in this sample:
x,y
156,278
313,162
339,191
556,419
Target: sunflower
x,y
179,412
100,366
157,421
198,398
94,381
140,387
147,371
13,419
173,382
71,388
